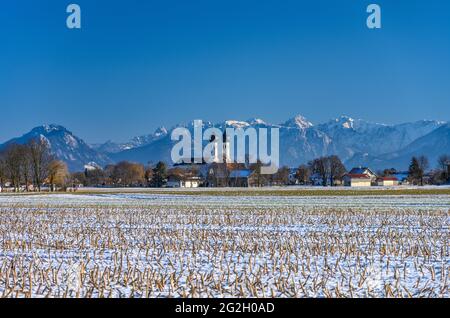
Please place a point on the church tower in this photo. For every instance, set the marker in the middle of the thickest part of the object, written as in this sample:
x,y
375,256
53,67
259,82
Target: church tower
x,y
224,152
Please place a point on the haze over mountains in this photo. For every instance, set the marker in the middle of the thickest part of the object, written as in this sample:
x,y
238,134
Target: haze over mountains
x,y
355,141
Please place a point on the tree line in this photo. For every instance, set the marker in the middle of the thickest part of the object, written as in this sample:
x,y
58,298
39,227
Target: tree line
x,y
329,170
29,166
123,174
417,172
129,174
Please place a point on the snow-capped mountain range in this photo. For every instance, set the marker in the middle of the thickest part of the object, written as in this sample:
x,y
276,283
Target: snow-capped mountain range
x,y
357,142
64,145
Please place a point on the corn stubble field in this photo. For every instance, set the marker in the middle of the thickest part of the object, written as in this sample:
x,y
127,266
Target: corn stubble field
x,y
168,245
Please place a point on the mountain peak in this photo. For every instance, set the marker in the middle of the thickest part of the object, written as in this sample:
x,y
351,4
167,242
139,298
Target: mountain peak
x,y
298,122
160,131
236,123
256,121
64,145
345,121
48,128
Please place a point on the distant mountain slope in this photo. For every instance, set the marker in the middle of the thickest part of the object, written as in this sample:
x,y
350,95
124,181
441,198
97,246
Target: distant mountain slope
x,y
300,141
157,150
352,136
431,145
355,141
64,145
111,147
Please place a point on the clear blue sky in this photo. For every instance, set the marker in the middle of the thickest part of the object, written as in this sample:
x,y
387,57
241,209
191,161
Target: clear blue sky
x,y
136,65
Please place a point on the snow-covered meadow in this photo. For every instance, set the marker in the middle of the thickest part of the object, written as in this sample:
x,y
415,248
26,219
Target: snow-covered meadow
x,y
167,245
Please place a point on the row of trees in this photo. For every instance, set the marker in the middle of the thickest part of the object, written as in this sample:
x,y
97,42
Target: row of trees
x,y
31,165
419,166
128,174
123,174
330,169
223,175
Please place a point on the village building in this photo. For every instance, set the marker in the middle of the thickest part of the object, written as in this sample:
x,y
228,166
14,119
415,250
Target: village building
x,y
217,175
243,178
316,180
179,181
293,176
212,174
402,177
387,181
357,180
365,171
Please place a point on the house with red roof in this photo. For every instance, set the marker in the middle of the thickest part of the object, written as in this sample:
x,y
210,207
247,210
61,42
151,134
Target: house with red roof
x,y
357,180
388,181
360,177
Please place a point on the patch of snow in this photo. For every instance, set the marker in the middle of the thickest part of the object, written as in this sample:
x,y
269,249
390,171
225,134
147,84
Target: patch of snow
x,y
298,122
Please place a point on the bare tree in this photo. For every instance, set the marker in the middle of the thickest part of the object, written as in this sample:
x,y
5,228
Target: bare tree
x,y
320,166
328,168
337,169
282,176
127,174
24,158
3,175
260,179
57,174
388,172
148,175
78,178
40,157
12,160
303,174
443,163
423,165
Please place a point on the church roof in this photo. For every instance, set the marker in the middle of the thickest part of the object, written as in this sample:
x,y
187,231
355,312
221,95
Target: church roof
x,y
245,173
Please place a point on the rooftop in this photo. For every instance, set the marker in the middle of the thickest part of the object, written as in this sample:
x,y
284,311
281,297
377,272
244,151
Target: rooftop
x,y
358,176
388,179
240,173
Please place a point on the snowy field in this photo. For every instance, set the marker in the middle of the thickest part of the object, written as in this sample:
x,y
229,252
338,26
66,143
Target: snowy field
x,y
168,245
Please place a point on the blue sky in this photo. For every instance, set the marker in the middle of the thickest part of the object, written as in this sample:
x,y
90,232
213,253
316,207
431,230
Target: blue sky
x,y
136,65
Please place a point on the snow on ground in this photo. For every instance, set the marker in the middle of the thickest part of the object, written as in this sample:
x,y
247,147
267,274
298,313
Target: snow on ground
x,y
161,245
143,199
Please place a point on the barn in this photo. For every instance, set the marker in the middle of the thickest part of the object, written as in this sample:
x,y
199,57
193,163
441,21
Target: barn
x,y
357,180
387,181
177,181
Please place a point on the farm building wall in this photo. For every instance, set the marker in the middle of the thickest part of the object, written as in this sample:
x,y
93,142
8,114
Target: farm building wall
x,y
360,183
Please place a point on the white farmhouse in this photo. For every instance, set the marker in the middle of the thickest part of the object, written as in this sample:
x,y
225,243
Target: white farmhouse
x,y
365,171
357,180
176,181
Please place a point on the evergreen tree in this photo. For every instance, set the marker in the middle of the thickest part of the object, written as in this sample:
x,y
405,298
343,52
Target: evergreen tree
x,y
417,169
413,171
159,175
